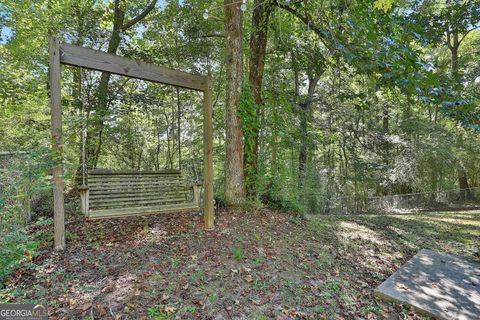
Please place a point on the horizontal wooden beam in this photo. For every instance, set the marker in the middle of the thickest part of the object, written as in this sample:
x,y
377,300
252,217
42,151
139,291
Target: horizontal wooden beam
x,y
106,172
106,62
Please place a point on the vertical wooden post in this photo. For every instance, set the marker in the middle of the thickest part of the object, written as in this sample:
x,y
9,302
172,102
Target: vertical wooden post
x,y
56,110
197,190
208,211
84,199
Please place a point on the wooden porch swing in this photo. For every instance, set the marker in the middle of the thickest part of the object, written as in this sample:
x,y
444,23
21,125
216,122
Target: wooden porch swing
x,y
109,194
124,193
112,194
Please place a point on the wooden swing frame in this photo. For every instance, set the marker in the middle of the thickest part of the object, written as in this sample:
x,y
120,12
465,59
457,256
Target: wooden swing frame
x,y
61,53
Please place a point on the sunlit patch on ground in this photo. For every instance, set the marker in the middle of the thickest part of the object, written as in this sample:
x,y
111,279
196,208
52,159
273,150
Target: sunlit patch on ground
x,y
352,231
154,234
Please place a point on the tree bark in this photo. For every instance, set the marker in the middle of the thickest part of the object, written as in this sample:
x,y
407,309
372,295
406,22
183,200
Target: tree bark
x,y
454,44
77,89
305,107
465,191
234,170
258,46
386,119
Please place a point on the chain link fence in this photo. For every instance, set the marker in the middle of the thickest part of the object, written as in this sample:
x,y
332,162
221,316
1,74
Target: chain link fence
x,y
456,199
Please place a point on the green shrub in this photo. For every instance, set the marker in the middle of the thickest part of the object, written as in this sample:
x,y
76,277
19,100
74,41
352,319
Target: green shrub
x,y
251,205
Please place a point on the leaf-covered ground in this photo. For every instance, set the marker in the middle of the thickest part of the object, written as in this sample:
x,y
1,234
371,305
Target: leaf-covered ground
x,y
262,265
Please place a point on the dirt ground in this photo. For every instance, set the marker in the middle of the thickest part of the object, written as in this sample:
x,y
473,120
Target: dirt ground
x,y
262,265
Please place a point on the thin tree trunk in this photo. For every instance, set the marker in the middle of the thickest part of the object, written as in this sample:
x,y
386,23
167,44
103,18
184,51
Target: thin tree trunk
x,y
453,44
179,132
304,114
258,45
170,137
158,149
77,90
234,174
386,119
454,54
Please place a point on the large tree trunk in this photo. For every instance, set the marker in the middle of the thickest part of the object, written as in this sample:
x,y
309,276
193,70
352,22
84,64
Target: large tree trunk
x,y
258,45
234,174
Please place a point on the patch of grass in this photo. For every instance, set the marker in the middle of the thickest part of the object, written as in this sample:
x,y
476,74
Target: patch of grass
x,y
333,285
70,236
163,312
451,232
174,261
198,277
257,261
156,314
373,307
213,298
260,284
191,309
238,253
158,277
258,315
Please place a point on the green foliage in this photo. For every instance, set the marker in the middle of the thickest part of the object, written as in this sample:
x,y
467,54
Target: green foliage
x,y
16,247
283,193
13,253
24,177
157,314
250,121
384,5
251,205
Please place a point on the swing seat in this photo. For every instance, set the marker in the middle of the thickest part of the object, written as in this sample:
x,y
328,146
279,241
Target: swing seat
x,y
111,194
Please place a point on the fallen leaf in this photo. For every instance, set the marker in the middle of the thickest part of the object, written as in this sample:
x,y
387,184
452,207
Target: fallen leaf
x,y
108,289
402,286
102,310
169,309
84,307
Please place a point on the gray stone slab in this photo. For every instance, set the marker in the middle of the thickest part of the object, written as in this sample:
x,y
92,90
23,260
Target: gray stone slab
x,y
436,284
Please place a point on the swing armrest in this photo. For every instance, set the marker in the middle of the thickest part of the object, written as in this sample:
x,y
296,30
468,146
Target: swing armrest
x,y
197,190
84,198
194,184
